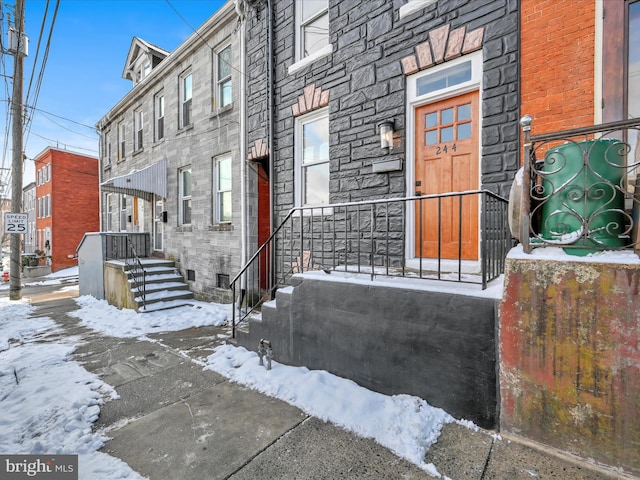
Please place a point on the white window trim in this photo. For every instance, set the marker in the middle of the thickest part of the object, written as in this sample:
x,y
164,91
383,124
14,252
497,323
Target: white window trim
x,y
306,61
109,213
122,142
122,220
217,93
414,101
216,198
156,118
182,197
413,6
297,175
138,127
183,100
158,222
298,25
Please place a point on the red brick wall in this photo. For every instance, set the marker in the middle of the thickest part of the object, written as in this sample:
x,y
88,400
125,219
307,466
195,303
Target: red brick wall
x,y
75,203
557,69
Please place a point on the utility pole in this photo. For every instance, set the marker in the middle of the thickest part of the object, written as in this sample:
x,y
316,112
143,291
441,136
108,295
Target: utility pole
x,y
18,47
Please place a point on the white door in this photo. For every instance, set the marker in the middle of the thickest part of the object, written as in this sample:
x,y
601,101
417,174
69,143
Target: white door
x,y
158,224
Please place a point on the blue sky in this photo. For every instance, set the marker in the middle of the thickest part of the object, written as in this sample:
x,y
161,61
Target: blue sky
x,y
82,77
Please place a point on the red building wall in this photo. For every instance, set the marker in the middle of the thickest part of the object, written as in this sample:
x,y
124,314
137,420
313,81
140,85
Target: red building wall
x,y
557,69
75,202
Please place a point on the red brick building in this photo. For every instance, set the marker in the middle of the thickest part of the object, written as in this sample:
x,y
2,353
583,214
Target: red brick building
x,y
569,331
67,203
579,62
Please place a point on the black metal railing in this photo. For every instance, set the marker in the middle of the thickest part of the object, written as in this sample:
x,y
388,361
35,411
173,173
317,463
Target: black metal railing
x,y
136,272
446,243
117,245
581,188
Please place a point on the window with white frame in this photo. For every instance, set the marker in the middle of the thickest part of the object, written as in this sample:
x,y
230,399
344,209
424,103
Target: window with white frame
x,y
224,92
44,206
138,129
312,159
44,174
184,195
109,214
123,213
312,27
186,93
159,116
222,174
121,141
146,69
106,149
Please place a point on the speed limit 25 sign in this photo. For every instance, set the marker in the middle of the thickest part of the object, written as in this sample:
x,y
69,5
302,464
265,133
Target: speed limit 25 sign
x,y
15,223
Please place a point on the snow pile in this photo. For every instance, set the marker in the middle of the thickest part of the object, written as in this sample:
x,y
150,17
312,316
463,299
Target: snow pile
x,y
102,317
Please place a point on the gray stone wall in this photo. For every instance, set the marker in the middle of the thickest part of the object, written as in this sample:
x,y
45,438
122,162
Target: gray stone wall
x,y
395,340
207,248
366,82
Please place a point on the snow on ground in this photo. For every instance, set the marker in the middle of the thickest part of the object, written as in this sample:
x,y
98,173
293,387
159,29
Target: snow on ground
x,y
64,400
48,402
102,317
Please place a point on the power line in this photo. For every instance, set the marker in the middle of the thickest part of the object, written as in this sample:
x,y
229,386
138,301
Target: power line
x,y
57,142
35,61
91,127
203,39
44,63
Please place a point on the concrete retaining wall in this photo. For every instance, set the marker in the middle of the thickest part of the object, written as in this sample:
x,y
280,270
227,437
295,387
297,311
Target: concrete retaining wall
x,y
570,357
116,286
391,339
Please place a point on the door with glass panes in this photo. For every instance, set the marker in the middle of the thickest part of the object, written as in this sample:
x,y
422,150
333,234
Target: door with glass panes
x,y
158,223
447,161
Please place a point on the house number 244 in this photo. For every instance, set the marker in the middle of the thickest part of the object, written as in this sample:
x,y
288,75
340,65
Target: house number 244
x,y
445,149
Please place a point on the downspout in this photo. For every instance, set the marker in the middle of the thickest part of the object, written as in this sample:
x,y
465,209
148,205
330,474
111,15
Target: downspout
x,y
243,140
271,106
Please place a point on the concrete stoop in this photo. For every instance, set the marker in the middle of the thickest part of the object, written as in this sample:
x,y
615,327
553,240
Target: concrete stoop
x,y
164,286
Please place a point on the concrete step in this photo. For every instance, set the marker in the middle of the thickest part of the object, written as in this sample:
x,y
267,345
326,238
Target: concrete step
x,y
165,295
164,286
153,287
165,305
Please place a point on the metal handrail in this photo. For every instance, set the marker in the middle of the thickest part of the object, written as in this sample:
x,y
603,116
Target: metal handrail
x,y
368,237
134,265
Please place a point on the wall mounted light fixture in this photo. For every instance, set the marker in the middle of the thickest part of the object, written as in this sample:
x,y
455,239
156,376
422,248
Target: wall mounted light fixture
x,y
385,129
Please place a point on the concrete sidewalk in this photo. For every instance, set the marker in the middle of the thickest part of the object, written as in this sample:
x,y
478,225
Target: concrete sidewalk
x,y
175,420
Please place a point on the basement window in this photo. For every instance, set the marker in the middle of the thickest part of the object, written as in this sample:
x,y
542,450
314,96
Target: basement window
x,y
223,281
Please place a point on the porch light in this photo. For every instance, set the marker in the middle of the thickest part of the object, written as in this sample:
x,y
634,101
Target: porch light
x,y
386,134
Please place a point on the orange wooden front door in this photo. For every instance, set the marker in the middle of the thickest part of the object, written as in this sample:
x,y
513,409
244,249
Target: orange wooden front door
x,y
447,161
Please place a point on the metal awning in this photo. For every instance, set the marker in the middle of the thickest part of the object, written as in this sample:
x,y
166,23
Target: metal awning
x,y
140,183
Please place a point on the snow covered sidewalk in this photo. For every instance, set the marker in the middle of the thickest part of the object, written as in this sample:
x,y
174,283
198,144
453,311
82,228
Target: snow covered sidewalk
x,y
163,395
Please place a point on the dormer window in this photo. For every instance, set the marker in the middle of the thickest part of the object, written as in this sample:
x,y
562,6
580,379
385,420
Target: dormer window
x,y
142,58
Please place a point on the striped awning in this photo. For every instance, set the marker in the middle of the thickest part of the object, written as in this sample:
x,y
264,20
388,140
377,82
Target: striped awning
x,y
144,183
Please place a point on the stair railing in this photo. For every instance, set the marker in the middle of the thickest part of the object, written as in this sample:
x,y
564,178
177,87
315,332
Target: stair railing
x,y
371,237
138,276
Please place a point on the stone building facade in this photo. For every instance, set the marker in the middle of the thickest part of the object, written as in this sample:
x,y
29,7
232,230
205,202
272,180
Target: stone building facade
x,y
348,66
171,154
